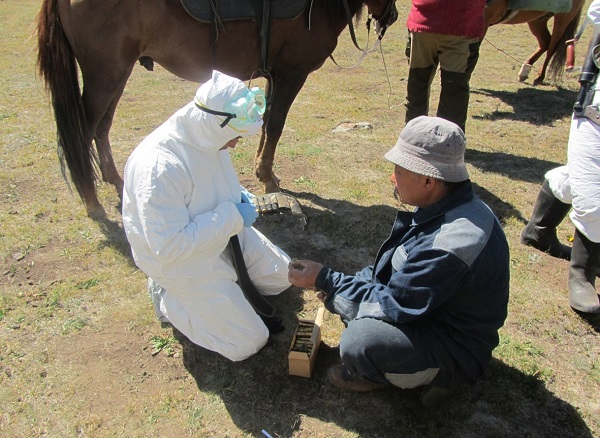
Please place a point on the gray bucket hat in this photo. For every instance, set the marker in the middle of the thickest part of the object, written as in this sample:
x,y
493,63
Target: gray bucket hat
x,y
431,146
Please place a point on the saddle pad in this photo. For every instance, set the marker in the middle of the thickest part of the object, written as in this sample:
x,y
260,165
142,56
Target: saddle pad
x,y
228,10
554,6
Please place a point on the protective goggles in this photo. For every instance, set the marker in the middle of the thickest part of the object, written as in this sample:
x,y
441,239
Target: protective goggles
x,y
242,111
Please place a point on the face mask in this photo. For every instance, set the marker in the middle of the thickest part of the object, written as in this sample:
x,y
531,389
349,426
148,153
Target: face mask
x,y
242,111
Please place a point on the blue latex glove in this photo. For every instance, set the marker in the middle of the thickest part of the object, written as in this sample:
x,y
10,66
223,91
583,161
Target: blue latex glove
x,y
248,212
247,196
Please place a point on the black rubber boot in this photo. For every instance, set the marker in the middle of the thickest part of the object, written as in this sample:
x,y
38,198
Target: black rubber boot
x,y
540,232
585,260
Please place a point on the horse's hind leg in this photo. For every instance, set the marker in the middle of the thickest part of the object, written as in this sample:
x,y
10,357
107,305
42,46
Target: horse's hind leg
x,y
109,172
102,90
557,31
539,29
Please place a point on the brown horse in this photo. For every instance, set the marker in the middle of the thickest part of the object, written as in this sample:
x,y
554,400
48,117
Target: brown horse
x,y
106,38
554,45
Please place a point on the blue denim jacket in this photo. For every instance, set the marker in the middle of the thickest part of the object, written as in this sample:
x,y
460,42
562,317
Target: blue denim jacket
x,y
445,269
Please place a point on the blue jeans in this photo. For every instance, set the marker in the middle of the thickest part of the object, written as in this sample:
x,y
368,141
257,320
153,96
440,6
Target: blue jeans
x,y
401,355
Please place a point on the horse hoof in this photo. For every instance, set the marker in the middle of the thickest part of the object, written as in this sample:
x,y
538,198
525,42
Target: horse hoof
x,y
96,212
272,187
524,72
538,81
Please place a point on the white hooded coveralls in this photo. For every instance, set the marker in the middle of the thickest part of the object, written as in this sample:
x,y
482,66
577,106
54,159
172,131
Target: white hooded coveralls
x,y
578,182
179,212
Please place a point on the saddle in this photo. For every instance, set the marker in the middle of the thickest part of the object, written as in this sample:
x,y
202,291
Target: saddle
x,y
262,11
207,11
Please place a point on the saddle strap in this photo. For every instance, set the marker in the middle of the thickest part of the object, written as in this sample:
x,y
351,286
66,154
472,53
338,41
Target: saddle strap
x,y
264,35
261,306
217,20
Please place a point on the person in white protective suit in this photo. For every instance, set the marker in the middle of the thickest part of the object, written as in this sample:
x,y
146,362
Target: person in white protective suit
x,y
182,203
576,185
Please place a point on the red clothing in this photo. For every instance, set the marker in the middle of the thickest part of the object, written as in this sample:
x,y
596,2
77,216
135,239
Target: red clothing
x,y
448,17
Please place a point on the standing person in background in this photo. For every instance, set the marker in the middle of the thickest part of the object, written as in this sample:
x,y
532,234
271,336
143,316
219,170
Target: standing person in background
x,y
183,204
447,33
576,184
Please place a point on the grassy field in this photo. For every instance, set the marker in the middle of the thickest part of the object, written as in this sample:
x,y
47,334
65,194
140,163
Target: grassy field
x,y
81,353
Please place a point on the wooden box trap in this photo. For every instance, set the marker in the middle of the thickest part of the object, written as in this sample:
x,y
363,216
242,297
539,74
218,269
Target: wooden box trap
x,y
305,345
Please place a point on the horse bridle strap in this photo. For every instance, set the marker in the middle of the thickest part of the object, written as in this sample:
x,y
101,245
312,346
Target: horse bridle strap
x,y
350,26
386,16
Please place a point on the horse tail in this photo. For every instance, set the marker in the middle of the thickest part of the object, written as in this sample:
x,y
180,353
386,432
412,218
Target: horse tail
x,y
557,64
57,65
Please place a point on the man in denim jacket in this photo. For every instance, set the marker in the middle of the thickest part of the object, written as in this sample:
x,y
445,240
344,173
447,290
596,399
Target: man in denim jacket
x,y
428,312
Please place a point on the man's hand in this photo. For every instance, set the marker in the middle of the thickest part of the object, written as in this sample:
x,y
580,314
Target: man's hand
x,y
303,273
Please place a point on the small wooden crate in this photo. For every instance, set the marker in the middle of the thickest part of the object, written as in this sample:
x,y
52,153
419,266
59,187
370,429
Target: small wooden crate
x,y
305,345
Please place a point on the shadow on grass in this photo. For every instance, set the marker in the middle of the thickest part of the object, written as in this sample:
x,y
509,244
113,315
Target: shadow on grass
x,y
592,319
502,209
515,167
536,105
115,238
259,394
342,220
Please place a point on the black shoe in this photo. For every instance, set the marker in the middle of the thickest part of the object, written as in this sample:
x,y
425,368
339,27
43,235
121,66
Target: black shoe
x,y
340,377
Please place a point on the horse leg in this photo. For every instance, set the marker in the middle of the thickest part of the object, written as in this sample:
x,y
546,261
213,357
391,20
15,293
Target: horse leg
x,y
109,172
542,74
101,92
557,32
539,29
282,92
561,21
564,29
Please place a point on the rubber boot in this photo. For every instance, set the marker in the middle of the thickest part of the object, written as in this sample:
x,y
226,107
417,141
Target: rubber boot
x,y
585,260
540,232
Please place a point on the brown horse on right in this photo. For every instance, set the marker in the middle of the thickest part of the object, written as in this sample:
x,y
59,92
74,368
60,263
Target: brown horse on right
x,y
553,44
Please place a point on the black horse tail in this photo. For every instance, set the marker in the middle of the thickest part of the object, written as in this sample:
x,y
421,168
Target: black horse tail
x,y
557,64
58,67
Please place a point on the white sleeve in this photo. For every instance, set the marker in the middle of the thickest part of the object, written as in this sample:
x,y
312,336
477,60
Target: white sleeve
x,y
168,229
594,14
